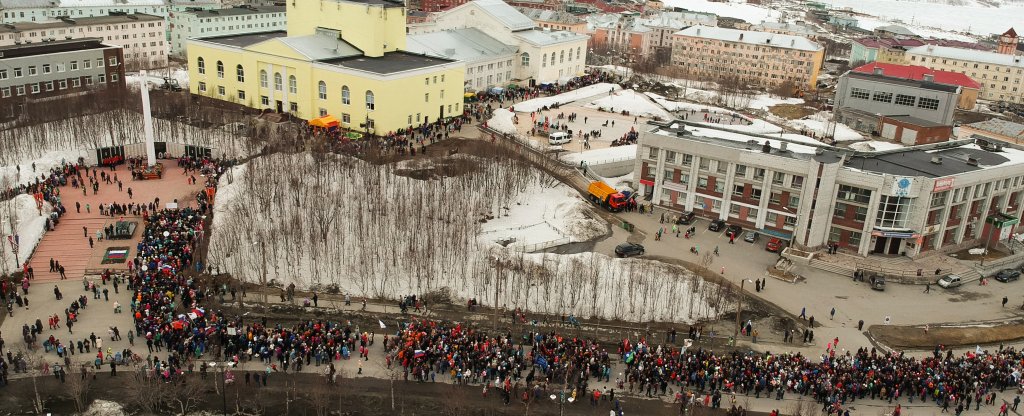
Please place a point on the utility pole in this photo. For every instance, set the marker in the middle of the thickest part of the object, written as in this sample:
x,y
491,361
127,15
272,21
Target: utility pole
x,y
739,310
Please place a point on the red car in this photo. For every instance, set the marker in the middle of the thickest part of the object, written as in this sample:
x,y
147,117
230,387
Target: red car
x,y
774,245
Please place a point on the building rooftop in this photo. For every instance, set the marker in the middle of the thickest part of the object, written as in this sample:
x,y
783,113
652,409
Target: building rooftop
x,y
679,20
79,21
917,72
968,55
915,121
45,48
466,45
907,43
33,4
803,30
385,3
895,29
546,37
903,81
507,15
390,63
236,11
245,39
322,45
751,37
1000,126
553,16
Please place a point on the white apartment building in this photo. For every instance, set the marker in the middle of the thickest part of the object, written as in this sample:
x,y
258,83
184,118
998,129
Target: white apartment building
x,y
489,63
142,36
219,22
1000,75
46,10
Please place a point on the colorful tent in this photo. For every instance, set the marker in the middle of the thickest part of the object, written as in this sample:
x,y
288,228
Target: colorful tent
x,y
327,121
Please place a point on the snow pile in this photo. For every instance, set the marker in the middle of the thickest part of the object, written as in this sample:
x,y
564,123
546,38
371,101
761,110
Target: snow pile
x,y
10,176
31,225
501,121
875,146
551,213
620,183
628,100
105,408
821,125
566,97
317,225
598,156
766,101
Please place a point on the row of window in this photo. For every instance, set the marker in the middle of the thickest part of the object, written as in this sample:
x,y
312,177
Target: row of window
x,y
62,84
901,99
33,70
525,57
771,218
490,67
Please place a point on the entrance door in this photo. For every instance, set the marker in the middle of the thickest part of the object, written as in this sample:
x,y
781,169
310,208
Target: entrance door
x,y
880,244
280,106
440,112
894,245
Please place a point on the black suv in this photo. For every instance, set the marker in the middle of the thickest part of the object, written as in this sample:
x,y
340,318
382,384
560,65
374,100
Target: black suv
x,y
733,231
629,249
716,225
1007,275
686,218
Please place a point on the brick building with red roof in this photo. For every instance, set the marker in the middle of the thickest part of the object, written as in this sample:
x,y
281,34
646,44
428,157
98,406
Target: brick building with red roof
x,y
969,87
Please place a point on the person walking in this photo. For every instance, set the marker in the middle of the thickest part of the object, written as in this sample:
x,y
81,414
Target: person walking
x,y
928,287
803,313
1005,299
832,314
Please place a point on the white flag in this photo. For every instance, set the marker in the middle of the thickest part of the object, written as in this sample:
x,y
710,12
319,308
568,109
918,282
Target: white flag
x,y
382,326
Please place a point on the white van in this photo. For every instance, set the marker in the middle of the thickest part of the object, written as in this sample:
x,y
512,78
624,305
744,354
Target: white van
x,y
558,138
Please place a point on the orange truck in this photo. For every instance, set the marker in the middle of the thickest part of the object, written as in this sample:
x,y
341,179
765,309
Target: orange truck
x,y
606,196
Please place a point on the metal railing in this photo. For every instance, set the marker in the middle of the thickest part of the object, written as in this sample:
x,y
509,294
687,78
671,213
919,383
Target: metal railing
x,y
530,248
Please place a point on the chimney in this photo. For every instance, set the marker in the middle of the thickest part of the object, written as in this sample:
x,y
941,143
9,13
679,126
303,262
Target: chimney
x,y
972,161
792,43
741,37
937,160
783,146
929,78
878,70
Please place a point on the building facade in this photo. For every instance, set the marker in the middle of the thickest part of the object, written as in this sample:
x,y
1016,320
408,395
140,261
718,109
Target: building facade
x,y
220,22
968,87
765,58
863,99
329,63
142,36
489,63
544,56
47,70
994,130
1000,75
898,202
14,11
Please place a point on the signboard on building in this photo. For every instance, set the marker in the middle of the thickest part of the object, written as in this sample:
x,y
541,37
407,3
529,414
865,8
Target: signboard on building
x,y
943,184
901,186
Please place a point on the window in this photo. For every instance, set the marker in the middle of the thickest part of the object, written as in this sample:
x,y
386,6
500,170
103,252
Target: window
x,y
321,87
755,193
32,71
894,211
834,234
737,190
758,173
278,81
719,186
840,210
264,100
263,79
882,97
220,69
723,167
346,118
17,72
854,239
74,65
323,112
426,97
861,214
775,198
112,61
293,107
61,67
5,92
201,65
75,82
241,95
705,163
370,105
239,73
62,84
741,171
851,193
794,201
778,178
670,156
3,74
939,199
734,209
687,160
859,93
113,77
293,85
345,97
202,86
544,61
49,85
907,100
46,68
928,103
702,182
35,88
798,182
221,91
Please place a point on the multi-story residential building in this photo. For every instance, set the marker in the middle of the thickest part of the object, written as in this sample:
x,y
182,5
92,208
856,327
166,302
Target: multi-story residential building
x,y
14,11
905,201
792,29
969,88
46,70
545,56
906,110
221,22
555,20
357,70
766,58
663,25
489,63
1000,74
142,36
622,34
994,130
893,50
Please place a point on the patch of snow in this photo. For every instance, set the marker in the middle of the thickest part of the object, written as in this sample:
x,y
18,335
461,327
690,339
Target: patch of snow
x,y
628,100
620,183
875,146
755,125
45,162
740,137
736,9
543,214
105,408
501,121
598,156
968,17
31,225
566,97
821,125
765,101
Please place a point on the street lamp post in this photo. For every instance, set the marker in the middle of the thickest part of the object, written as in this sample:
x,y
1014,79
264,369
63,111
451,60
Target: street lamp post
x,y
739,310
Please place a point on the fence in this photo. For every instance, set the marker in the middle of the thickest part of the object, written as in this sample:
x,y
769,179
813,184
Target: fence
x,y
533,248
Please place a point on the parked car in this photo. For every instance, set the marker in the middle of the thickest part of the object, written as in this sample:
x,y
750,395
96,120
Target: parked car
x,y
716,225
629,249
1007,275
751,236
774,245
686,218
558,138
950,281
733,231
877,282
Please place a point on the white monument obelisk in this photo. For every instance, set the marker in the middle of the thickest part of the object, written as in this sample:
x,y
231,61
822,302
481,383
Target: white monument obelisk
x,y
147,120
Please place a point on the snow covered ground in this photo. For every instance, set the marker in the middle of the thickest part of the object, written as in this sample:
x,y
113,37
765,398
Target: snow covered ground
x,y
543,214
821,125
628,100
12,176
756,125
870,23
737,9
566,97
875,146
755,102
597,156
322,228
156,78
31,225
501,121
970,17
765,101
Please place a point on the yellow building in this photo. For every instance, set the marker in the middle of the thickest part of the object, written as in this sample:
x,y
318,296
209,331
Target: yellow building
x,y
341,58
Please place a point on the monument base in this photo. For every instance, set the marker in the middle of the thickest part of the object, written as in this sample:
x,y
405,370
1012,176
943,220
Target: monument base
x,y
149,172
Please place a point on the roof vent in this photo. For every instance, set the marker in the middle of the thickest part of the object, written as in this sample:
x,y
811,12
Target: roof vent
x,y
937,160
698,31
972,161
783,146
741,37
929,77
878,70
792,43
819,151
